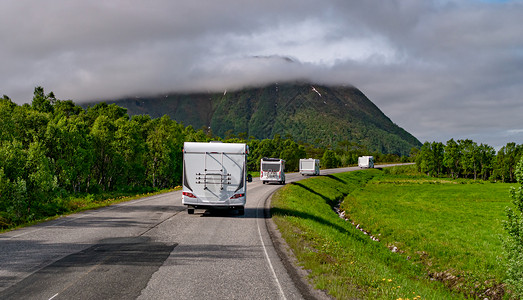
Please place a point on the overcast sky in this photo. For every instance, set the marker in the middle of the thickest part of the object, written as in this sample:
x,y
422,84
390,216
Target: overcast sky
x,y
440,69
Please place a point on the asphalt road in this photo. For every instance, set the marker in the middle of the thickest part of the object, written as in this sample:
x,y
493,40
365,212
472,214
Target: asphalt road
x,y
152,249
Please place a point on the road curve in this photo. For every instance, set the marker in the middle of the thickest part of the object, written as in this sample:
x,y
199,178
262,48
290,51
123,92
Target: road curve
x,y
151,248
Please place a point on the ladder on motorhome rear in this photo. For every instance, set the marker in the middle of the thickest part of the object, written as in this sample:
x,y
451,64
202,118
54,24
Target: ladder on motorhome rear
x,y
213,177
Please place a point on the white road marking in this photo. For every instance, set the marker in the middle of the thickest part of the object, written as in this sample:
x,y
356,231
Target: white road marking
x,y
258,217
53,296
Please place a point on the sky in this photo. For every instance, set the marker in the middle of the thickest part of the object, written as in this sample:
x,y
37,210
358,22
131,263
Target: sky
x,y
440,69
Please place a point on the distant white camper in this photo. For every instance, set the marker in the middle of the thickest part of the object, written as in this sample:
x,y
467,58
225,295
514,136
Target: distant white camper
x,y
215,175
309,166
366,161
272,170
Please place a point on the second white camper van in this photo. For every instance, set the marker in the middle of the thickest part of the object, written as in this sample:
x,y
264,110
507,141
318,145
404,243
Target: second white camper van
x,y
309,166
214,175
366,162
272,170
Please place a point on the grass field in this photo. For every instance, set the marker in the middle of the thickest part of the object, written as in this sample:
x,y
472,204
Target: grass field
x,y
445,234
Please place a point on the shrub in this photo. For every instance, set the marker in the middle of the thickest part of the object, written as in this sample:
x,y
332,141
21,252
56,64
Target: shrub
x,y
514,242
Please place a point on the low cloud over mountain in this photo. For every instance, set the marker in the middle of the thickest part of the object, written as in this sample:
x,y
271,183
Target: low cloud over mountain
x,y
441,68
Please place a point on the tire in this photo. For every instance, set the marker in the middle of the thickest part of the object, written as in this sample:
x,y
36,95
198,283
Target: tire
x,y
190,211
241,211
263,182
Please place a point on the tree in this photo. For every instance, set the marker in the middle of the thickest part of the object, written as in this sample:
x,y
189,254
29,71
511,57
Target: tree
x,y
514,242
13,188
329,160
7,125
130,147
192,135
506,161
452,158
70,148
112,111
67,108
292,153
29,124
425,159
41,182
102,134
469,157
487,155
164,143
41,101
438,156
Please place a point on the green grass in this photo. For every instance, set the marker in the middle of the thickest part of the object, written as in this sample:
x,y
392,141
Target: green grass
x,y
72,204
254,174
452,228
442,229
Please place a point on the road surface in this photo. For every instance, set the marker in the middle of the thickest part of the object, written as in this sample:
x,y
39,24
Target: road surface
x,y
151,248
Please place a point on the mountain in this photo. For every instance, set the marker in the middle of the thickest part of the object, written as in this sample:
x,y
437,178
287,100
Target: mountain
x,y
310,113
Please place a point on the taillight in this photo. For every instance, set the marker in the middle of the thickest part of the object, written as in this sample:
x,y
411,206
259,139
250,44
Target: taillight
x,y
236,196
190,195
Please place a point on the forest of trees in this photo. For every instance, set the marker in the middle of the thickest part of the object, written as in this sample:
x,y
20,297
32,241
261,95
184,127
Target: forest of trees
x,y
467,159
52,150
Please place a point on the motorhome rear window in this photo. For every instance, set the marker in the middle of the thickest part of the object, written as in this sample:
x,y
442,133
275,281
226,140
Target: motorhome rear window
x,y
270,167
307,164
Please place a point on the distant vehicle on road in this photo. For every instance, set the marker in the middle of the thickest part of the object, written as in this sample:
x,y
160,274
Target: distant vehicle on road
x,y
309,166
215,175
366,161
272,170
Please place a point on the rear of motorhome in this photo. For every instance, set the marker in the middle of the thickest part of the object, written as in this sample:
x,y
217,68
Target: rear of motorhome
x,y
366,162
214,175
272,170
309,166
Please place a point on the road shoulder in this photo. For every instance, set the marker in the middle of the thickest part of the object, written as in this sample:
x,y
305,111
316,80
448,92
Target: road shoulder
x,y
298,274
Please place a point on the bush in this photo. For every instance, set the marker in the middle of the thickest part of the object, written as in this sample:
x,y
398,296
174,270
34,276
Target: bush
x,y
401,170
514,242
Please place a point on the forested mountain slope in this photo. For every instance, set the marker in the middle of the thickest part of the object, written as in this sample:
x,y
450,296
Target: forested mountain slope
x,y
315,114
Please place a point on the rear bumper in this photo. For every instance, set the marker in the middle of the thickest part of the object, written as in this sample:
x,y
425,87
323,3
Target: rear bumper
x,y
216,206
198,203
308,172
275,179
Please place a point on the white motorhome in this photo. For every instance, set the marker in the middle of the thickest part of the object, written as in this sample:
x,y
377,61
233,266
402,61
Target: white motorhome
x,y
366,162
309,166
272,170
215,175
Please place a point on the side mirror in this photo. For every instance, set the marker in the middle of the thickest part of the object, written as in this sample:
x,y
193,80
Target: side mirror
x,y
249,178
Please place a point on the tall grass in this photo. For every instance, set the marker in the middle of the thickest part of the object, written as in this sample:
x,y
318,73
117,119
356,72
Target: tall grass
x,y
341,259
445,234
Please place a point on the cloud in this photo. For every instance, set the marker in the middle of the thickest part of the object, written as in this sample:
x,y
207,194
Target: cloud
x,y
441,69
